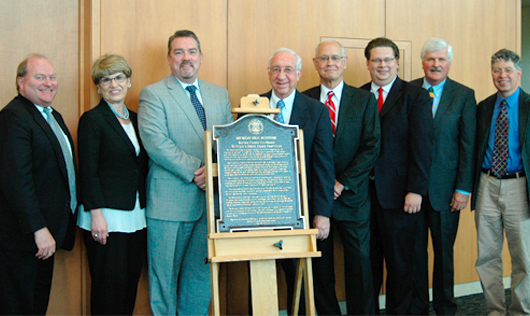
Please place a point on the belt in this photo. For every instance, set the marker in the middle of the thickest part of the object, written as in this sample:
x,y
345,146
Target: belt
x,y
506,176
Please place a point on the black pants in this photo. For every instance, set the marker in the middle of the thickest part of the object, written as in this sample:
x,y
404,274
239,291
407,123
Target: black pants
x,y
115,269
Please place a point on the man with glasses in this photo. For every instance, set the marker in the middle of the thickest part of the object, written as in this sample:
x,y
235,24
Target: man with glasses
x,y
400,175
451,177
355,123
500,196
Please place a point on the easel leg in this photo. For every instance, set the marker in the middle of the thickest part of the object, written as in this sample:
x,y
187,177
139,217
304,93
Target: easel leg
x,y
214,270
264,287
309,291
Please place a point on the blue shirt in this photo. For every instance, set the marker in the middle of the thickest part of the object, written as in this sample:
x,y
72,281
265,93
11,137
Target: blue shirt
x,y
515,163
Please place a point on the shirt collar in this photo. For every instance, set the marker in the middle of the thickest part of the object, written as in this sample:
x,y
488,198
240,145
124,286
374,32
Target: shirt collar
x,y
184,85
288,101
512,100
385,88
337,91
437,89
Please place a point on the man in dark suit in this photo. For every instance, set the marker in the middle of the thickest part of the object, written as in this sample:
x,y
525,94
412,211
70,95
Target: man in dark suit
x,y
500,193
401,173
451,177
37,190
357,132
285,69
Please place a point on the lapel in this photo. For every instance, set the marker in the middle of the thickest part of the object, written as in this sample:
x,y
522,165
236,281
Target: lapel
x,y
298,114
392,97
116,125
445,101
524,106
344,110
183,101
39,119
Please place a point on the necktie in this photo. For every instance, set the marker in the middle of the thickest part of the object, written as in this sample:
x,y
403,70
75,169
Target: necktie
x,y
499,164
197,105
67,154
431,95
380,100
279,116
332,111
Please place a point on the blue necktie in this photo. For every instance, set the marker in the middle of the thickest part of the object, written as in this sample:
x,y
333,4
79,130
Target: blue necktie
x,y
197,105
67,155
279,116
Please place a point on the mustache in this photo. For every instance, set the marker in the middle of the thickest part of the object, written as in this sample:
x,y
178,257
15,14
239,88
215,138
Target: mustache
x,y
186,62
435,68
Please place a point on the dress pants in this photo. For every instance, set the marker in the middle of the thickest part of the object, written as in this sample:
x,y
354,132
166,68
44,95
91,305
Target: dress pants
x,y
355,237
502,205
443,226
179,277
25,283
115,269
392,239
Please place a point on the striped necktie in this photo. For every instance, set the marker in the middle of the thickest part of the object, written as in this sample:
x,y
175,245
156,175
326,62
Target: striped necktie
x,y
332,111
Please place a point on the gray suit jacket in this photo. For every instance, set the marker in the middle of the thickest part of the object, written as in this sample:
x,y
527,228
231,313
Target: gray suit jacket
x,y
484,117
173,137
454,144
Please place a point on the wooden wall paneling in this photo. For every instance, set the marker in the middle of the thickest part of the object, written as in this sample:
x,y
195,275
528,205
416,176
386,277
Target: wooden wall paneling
x,y
49,27
475,29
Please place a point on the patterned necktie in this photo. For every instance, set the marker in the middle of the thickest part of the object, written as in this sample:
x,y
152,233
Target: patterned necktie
x,y
332,111
197,105
431,95
67,155
279,117
499,164
380,100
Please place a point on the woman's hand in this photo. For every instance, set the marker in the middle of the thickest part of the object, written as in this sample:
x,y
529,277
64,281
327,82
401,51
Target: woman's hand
x,y
100,232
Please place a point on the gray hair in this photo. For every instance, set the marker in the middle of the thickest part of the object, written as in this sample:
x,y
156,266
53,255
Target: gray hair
x,y
290,51
506,55
330,40
435,44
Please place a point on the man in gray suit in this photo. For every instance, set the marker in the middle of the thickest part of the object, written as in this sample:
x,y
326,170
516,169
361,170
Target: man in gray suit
x,y
500,193
172,117
451,177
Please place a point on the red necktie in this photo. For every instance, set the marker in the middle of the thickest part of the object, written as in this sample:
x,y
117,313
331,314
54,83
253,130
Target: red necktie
x,y
332,111
380,100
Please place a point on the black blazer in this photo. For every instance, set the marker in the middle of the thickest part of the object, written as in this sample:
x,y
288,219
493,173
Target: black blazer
x,y
312,117
484,117
356,148
454,144
406,144
110,172
34,190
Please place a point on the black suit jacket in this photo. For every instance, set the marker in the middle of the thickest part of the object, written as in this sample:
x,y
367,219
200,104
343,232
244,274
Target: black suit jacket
x,y
110,172
454,144
484,118
356,148
34,190
404,163
313,118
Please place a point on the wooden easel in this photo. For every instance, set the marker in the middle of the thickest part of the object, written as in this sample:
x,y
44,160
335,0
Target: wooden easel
x,y
258,247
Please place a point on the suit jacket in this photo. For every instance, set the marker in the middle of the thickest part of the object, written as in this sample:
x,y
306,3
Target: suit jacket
x,y
454,144
404,163
356,148
484,117
110,172
173,137
34,190
313,118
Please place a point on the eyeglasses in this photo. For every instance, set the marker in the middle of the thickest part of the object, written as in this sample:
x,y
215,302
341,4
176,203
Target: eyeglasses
x,y
277,70
106,81
508,71
326,58
386,60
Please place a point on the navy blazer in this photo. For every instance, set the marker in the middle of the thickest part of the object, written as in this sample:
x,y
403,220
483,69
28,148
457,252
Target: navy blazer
x,y
454,144
110,172
312,117
484,117
34,189
356,148
406,144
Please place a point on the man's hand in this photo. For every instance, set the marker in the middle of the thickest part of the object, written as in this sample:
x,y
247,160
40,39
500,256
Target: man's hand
x,y
98,226
45,243
338,189
322,223
459,201
412,203
200,178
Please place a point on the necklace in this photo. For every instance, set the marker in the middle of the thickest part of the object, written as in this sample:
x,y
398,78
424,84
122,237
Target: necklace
x,y
125,117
